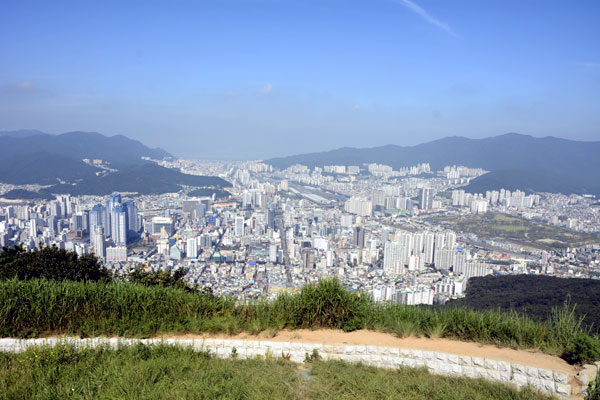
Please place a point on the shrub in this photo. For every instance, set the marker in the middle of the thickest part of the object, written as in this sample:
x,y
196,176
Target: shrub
x,y
314,356
159,278
582,350
329,305
50,263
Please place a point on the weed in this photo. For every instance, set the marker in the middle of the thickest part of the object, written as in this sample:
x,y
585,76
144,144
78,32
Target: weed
x,y
313,356
593,390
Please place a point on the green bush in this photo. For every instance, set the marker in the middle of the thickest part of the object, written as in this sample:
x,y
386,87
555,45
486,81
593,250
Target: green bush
x,y
50,263
582,350
328,305
159,278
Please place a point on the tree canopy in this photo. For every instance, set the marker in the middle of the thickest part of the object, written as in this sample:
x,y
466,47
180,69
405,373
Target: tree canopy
x,y
50,263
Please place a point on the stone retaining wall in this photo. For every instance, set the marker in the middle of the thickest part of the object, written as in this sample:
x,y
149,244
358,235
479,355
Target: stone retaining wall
x,y
549,381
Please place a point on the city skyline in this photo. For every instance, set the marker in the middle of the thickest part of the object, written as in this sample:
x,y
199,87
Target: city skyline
x,y
252,80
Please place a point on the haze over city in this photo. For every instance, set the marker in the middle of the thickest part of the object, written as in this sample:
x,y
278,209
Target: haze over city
x,y
259,79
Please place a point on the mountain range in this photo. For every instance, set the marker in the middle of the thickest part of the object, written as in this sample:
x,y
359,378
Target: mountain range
x,y
515,161
117,150
34,157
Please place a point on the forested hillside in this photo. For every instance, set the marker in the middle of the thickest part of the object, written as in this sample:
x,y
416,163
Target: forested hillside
x,y
534,296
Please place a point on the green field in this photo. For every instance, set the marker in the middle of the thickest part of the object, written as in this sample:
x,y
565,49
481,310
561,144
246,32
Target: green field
x,y
516,230
164,372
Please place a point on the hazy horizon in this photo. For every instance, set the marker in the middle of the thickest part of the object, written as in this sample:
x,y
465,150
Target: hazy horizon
x,y
265,78
217,157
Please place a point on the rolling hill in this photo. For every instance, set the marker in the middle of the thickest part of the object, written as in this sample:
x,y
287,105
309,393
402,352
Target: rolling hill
x,y
117,150
56,160
515,161
148,178
43,168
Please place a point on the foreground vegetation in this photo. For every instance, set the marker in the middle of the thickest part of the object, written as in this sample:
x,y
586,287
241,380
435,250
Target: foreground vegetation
x,y
53,291
534,296
164,372
39,307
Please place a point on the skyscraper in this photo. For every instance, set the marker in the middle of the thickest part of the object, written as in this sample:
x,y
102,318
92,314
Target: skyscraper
x,y
239,226
358,238
200,210
273,252
426,199
113,201
77,222
98,241
428,246
191,248
33,227
450,242
133,223
271,219
118,220
96,218
417,244
392,255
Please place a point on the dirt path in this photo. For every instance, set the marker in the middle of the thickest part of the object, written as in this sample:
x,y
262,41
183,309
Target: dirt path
x,y
383,339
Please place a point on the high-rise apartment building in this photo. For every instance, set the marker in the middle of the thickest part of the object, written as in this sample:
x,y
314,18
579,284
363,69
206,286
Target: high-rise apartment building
x,y
238,226
358,237
98,242
118,220
426,199
191,248
392,258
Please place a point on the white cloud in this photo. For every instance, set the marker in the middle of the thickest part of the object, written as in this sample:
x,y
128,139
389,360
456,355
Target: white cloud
x,y
426,16
356,107
268,88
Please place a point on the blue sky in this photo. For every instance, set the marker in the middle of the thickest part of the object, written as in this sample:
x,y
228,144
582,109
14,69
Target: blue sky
x,y
260,78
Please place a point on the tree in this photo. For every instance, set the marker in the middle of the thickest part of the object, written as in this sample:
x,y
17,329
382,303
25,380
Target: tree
x,y
50,263
159,278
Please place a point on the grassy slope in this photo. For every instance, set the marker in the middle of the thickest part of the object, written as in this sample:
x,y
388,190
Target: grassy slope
x,y
165,372
37,307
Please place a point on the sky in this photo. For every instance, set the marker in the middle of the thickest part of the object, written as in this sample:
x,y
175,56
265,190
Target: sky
x,y
253,79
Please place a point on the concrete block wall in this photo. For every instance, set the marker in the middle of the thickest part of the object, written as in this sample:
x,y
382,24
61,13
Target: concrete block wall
x,y
552,382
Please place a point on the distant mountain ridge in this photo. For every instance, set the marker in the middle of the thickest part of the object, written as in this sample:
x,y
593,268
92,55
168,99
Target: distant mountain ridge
x,y
118,149
34,157
516,161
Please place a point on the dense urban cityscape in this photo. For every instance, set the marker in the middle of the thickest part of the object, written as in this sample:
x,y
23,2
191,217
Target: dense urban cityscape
x,y
393,234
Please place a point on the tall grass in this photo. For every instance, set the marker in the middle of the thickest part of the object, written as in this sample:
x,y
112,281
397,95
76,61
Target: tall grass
x,y
37,307
169,372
